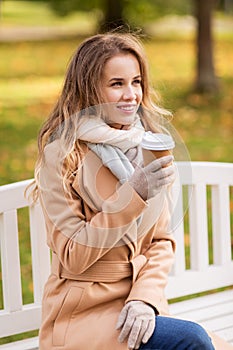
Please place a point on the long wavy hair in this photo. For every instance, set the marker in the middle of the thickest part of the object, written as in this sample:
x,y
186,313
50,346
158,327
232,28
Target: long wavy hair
x,y
81,90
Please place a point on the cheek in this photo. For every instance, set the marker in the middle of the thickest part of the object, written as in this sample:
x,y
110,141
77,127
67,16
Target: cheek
x,y
139,95
111,96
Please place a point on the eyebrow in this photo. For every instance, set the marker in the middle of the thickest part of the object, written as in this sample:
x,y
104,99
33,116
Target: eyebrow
x,y
120,79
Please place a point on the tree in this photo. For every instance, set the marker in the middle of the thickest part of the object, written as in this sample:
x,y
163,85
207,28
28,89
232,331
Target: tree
x,y
206,80
113,15
136,13
121,12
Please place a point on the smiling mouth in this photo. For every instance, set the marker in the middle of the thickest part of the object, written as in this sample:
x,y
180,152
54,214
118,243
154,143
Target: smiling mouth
x,y
127,108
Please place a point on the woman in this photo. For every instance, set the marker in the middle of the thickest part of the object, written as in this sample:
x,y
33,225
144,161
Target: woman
x,y
107,215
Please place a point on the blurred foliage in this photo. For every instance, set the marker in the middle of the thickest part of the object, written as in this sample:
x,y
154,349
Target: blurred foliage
x,y
139,12
63,8
225,5
134,12
38,13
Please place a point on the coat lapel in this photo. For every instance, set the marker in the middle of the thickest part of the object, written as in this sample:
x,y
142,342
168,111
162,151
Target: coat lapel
x,y
94,182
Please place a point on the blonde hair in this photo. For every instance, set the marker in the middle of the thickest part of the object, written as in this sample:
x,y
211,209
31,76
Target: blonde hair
x,y
82,89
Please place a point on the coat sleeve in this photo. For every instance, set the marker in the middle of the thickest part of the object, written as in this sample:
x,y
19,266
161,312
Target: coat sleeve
x,y
79,243
152,277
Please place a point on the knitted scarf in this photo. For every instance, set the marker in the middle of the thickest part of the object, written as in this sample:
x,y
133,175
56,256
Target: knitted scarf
x,y
110,144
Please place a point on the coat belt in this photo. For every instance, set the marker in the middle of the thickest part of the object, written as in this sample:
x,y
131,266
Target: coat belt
x,y
100,271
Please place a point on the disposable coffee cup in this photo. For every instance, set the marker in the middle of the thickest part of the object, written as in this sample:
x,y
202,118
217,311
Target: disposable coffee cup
x,y
156,145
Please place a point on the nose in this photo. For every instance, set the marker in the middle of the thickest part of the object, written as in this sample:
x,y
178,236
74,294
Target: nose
x,y
129,93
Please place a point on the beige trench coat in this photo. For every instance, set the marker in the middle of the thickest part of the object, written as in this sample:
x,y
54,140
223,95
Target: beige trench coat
x,y
109,247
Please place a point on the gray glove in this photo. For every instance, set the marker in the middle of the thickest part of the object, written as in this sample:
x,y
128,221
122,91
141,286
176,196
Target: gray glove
x,y
149,180
137,323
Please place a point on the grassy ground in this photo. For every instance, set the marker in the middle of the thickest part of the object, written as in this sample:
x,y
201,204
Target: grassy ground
x,y
31,77
32,14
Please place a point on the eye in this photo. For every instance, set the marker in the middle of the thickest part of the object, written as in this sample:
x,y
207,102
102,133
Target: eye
x,y
117,83
137,82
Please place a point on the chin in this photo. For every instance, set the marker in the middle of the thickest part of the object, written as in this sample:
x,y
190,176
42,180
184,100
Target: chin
x,y
126,120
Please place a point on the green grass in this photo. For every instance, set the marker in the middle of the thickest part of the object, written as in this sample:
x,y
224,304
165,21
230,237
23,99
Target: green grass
x,y
31,76
32,14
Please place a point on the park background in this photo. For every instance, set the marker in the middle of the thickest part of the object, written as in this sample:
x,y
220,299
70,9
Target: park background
x,y
36,43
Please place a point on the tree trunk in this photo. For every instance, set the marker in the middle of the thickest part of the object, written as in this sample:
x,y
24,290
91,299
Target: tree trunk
x,y
206,80
113,15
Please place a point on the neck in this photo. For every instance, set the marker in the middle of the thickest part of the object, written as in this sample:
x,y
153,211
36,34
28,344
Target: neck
x,y
119,126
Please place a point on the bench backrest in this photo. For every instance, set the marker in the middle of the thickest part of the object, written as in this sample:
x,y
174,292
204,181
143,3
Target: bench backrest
x,y
204,257
16,316
206,189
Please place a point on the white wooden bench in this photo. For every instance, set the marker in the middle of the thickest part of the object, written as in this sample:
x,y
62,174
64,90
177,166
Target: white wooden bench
x,y
207,188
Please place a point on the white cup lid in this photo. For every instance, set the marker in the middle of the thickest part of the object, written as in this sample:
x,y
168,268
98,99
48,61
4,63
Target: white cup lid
x,y
157,141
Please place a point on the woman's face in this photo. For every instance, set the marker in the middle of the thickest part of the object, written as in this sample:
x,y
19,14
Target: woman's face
x,y
121,89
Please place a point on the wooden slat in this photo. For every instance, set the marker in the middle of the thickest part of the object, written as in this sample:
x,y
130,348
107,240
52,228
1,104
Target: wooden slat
x,y
187,306
185,170
219,323
24,320
26,344
209,311
221,223
195,281
206,313
177,227
199,253
12,195
40,251
11,275
211,173
227,334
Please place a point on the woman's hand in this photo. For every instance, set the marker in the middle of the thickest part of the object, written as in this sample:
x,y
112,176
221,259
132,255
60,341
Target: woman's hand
x,y
137,323
149,180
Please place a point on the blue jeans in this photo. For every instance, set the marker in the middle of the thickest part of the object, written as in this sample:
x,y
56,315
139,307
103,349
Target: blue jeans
x,y
174,334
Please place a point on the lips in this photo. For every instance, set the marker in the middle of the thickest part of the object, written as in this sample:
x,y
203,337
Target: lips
x,y
127,108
